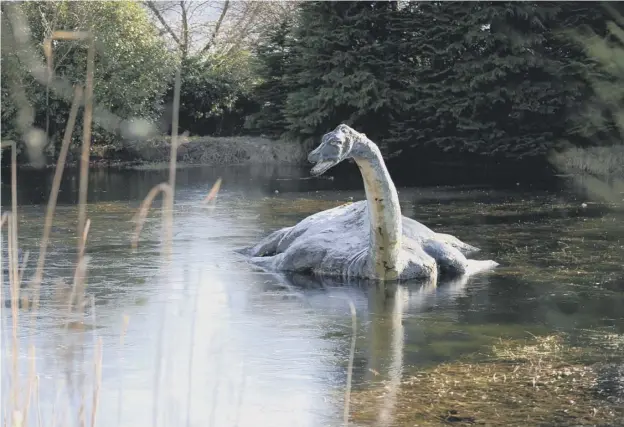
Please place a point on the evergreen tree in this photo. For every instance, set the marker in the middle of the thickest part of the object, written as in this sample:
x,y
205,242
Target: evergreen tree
x,y
273,55
588,41
214,95
495,78
482,85
343,69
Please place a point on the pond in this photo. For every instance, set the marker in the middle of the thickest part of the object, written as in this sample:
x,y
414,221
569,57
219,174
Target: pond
x,y
236,346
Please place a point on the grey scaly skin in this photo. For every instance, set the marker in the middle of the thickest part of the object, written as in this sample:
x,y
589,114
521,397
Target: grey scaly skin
x,y
367,239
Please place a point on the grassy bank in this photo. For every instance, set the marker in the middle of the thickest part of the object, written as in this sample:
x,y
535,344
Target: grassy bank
x,y
597,170
604,162
194,151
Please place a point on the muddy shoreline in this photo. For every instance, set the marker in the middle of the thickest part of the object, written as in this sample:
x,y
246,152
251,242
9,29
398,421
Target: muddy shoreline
x,y
154,154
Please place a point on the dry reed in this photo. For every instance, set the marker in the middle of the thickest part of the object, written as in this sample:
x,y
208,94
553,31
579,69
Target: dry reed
x,y
56,184
347,399
17,412
126,321
144,210
19,406
212,194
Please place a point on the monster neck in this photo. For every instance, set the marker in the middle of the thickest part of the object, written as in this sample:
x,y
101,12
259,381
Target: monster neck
x,y
384,211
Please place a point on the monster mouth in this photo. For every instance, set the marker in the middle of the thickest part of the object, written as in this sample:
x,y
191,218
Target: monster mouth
x,y
322,166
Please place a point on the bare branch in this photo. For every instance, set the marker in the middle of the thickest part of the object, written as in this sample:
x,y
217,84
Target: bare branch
x,y
184,46
198,7
247,19
235,23
156,12
253,11
208,45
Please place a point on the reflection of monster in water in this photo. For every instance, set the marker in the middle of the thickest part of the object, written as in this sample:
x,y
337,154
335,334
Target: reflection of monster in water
x,y
368,239
540,380
410,325
385,342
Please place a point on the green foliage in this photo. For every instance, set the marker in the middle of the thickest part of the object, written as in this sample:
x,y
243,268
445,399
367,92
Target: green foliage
x,y
496,78
132,66
273,57
344,68
485,83
215,94
516,84
603,42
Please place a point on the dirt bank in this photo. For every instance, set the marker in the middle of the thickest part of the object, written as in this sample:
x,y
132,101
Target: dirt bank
x,y
604,162
218,151
194,151
599,171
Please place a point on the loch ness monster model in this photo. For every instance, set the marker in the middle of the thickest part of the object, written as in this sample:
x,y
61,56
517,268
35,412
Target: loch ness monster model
x,y
368,239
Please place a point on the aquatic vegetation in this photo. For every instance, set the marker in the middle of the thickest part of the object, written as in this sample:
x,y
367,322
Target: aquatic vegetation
x,y
539,381
581,241
585,248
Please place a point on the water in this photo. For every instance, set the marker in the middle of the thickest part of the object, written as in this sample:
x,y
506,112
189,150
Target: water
x,y
240,347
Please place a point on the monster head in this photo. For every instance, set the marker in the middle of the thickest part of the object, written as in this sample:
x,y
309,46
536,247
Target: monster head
x,y
334,148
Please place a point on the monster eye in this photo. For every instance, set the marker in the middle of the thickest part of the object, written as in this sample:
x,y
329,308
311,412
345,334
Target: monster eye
x,y
337,143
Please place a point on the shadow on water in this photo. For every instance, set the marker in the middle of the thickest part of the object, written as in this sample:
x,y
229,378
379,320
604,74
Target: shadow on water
x,y
132,185
108,184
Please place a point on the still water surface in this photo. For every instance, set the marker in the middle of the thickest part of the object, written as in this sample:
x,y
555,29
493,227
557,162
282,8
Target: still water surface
x,y
240,347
